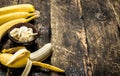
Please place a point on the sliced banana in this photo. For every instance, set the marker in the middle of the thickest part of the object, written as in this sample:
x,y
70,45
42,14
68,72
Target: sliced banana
x,y
23,34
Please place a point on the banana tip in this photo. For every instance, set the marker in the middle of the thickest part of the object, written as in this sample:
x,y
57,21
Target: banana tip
x,y
37,13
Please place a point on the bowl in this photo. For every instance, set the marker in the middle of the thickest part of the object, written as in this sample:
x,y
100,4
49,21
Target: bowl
x,y
28,25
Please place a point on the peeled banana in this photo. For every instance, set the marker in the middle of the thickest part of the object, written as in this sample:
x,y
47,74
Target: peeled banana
x,y
23,57
14,15
17,8
20,59
39,55
42,53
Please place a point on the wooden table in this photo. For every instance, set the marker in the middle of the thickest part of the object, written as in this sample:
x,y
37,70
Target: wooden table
x,y
85,35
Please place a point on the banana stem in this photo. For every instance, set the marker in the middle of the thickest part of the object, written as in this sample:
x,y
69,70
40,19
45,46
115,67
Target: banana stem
x,y
47,66
31,14
30,18
36,14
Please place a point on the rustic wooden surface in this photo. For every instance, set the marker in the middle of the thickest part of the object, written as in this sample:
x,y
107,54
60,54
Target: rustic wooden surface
x,y
101,21
85,37
68,37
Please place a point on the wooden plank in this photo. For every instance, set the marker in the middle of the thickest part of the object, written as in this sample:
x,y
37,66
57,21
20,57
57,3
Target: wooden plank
x,y
115,5
85,36
7,2
103,37
68,37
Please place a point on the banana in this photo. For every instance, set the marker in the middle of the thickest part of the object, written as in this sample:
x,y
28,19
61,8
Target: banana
x,y
39,55
22,59
4,58
15,15
47,66
42,53
27,68
12,50
6,26
17,8
21,53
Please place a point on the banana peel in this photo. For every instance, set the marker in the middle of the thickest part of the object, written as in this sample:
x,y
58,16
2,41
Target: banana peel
x,y
21,58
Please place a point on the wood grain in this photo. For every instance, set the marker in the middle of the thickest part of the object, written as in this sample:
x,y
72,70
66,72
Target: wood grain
x,y
68,37
85,35
102,34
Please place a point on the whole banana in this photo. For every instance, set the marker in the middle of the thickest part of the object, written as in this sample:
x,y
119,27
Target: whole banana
x,y
6,26
15,15
17,8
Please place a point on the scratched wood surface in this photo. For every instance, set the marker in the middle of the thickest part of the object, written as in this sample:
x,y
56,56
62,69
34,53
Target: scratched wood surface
x,y
101,19
85,35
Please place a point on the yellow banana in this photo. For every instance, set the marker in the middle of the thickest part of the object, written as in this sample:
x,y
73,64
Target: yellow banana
x,y
17,8
38,55
6,26
12,50
15,15
20,61
48,66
